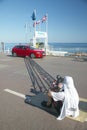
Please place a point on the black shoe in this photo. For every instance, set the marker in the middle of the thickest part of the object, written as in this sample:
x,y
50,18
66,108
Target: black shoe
x,y
58,111
44,104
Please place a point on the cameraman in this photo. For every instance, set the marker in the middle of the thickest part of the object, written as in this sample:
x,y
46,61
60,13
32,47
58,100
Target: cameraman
x,y
55,95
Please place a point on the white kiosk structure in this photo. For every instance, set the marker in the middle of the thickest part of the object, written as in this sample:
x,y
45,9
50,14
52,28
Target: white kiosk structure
x,y
40,35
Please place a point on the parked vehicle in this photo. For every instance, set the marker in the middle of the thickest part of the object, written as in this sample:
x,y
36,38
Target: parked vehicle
x,y
25,50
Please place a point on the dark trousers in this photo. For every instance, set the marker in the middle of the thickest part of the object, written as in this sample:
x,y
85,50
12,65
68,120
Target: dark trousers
x,y
57,104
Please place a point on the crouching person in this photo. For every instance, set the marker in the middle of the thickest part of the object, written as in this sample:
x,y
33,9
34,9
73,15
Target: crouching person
x,y
66,100
56,95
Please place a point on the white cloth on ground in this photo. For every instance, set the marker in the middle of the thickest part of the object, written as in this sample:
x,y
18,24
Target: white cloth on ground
x,y
57,96
71,101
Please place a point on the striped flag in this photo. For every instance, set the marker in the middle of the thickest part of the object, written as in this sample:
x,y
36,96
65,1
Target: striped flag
x,y
38,22
44,18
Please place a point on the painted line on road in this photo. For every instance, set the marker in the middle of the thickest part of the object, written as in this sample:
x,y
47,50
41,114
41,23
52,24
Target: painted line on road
x,y
83,99
15,93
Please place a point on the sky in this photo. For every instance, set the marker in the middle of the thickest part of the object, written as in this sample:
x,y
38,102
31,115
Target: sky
x,y
67,20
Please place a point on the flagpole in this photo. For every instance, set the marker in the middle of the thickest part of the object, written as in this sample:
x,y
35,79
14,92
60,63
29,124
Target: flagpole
x,y
46,42
26,31
35,22
35,32
34,19
47,23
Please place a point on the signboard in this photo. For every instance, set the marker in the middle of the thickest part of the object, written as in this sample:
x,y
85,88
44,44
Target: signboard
x,y
39,34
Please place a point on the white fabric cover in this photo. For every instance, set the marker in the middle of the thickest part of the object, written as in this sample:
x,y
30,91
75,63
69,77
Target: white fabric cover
x,y
71,101
58,96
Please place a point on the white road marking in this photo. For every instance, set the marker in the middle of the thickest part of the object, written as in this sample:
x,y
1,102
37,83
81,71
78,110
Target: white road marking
x,y
15,93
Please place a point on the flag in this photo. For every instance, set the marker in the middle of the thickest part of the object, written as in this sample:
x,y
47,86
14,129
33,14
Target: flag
x,y
25,26
38,22
34,24
34,15
44,18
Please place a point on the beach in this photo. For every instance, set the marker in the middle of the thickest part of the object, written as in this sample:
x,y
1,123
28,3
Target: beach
x,y
15,114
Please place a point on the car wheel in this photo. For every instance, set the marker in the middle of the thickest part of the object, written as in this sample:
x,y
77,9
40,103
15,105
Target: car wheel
x,y
32,55
14,54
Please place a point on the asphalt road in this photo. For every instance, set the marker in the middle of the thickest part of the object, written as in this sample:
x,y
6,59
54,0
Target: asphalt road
x,y
15,114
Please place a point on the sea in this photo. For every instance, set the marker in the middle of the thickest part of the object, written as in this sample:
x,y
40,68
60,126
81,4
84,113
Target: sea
x,y
68,47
